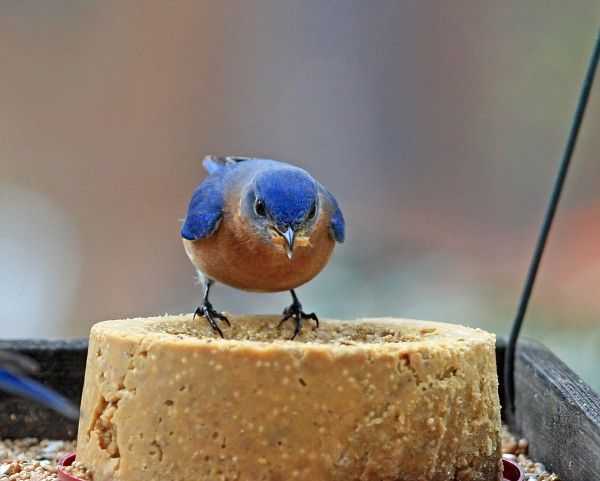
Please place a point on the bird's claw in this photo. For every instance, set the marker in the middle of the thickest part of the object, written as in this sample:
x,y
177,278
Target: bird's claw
x,y
206,310
295,311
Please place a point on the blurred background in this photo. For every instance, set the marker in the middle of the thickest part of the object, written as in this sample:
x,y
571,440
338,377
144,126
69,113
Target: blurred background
x,y
438,125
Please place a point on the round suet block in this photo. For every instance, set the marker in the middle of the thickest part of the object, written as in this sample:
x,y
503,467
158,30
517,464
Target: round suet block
x,y
376,399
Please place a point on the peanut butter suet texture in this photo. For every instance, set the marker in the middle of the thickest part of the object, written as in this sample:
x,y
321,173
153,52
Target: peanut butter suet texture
x,y
377,399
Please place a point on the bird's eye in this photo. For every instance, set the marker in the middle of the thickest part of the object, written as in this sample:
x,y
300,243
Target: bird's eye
x,y
312,211
260,208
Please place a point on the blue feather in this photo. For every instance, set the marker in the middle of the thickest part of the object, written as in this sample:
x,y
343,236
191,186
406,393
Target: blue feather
x,y
204,212
212,164
338,225
26,387
288,193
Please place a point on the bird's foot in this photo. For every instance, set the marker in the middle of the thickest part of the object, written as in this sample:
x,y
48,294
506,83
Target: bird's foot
x,y
295,311
206,309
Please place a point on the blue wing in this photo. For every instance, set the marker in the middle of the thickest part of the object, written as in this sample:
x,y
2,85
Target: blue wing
x,y
204,212
338,225
26,387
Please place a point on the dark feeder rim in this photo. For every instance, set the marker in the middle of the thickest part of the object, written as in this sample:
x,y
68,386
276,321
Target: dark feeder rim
x,y
512,471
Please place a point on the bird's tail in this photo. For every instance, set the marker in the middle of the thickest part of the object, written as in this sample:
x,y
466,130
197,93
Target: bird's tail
x,y
213,163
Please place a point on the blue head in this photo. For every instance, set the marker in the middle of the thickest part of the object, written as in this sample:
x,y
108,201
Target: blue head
x,y
283,206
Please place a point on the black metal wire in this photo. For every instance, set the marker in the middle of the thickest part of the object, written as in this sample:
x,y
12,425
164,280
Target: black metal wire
x,y
509,358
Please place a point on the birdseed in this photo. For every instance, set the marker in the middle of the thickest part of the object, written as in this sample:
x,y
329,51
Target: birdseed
x,y
516,451
31,459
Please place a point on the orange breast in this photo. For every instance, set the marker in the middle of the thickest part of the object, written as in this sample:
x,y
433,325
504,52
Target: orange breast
x,y
236,256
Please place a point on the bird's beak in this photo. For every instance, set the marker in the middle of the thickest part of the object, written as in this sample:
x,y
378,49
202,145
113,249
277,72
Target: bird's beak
x,y
289,235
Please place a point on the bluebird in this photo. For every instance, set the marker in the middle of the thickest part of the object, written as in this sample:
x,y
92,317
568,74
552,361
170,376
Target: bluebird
x,y
14,379
260,225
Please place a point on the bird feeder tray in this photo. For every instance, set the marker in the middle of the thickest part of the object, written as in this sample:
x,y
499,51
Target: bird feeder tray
x,y
556,411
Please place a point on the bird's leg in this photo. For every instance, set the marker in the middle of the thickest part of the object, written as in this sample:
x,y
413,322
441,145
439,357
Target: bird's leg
x,y
295,311
206,309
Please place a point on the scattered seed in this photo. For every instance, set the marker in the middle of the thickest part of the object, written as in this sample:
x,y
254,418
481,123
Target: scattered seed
x,y
31,459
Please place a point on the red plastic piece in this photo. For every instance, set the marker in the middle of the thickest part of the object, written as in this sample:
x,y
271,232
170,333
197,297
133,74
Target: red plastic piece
x,y
512,471
63,463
